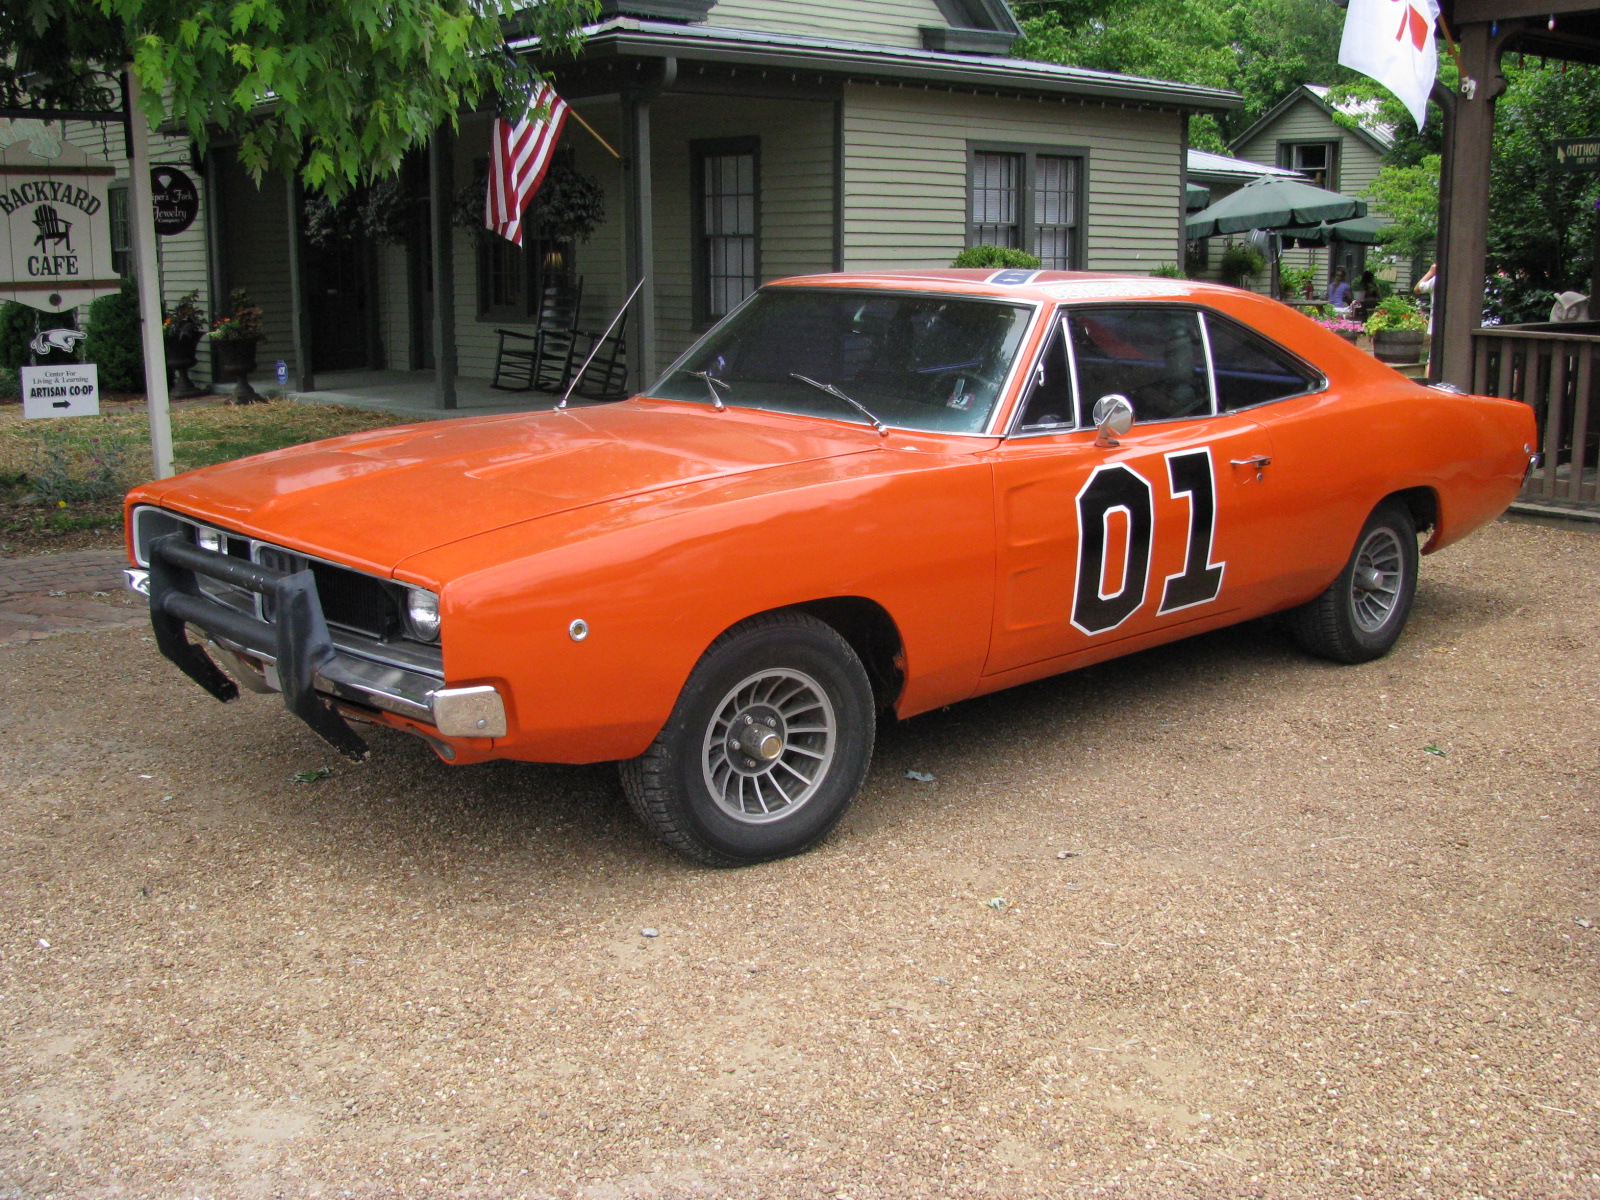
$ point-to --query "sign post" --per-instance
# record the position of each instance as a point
(142, 224)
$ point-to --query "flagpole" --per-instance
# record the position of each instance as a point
(1455, 53)
(573, 113)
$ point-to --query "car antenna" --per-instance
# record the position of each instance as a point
(598, 342)
(712, 384)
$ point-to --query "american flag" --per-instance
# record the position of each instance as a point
(519, 157)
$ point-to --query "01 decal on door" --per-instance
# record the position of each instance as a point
(1098, 544)
(1119, 489)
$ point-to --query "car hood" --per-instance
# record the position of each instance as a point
(375, 499)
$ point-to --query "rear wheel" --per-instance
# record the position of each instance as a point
(1363, 611)
(767, 746)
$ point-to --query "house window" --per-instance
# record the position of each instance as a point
(1317, 161)
(727, 224)
(512, 278)
(121, 238)
(1028, 200)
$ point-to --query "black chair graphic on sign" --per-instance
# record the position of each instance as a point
(51, 227)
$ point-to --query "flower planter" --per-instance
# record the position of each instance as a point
(1349, 335)
(235, 358)
(182, 353)
(1398, 345)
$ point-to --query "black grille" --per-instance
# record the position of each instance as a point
(356, 601)
(350, 600)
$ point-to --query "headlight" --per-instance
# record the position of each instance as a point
(210, 539)
(422, 615)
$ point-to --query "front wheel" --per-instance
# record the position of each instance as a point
(767, 746)
(1361, 614)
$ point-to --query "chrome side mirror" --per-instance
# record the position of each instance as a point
(1113, 417)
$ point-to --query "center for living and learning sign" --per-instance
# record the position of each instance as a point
(61, 390)
(55, 227)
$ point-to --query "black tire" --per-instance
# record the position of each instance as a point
(783, 675)
(1361, 614)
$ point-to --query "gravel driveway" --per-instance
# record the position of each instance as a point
(1216, 920)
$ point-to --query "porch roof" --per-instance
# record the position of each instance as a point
(632, 37)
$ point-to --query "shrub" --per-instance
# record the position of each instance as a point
(19, 323)
(69, 466)
(996, 256)
(1169, 271)
(10, 384)
(113, 341)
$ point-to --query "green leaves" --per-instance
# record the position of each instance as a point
(1262, 49)
(336, 92)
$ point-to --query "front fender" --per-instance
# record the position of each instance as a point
(655, 579)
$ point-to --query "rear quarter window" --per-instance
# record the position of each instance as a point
(1249, 370)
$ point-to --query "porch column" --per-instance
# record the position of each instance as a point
(639, 258)
(302, 378)
(440, 176)
(1464, 241)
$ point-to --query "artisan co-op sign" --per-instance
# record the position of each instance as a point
(55, 232)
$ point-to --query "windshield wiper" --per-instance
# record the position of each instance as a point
(883, 430)
(712, 384)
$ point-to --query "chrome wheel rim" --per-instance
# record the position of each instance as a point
(768, 746)
(1376, 581)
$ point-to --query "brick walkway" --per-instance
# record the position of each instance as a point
(49, 594)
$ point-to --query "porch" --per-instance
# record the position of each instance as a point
(1552, 368)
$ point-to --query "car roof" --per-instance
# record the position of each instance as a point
(1014, 284)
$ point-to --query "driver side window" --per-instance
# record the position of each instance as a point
(1153, 355)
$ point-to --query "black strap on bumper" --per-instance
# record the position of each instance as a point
(297, 638)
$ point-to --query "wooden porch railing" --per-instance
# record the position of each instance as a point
(1555, 369)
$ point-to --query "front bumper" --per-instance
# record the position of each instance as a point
(292, 654)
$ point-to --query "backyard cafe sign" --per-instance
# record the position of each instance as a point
(55, 227)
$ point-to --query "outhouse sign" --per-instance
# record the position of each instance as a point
(55, 226)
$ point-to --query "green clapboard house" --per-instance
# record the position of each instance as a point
(734, 141)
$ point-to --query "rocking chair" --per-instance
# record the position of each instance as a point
(541, 359)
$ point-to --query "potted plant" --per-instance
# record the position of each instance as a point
(1345, 327)
(1296, 283)
(180, 332)
(1240, 262)
(1397, 328)
(233, 340)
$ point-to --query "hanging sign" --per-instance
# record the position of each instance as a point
(55, 226)
(61, 390)
(1578, 154)
(175, 198)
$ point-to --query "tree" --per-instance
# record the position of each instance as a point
(1262, 49)
(1541, 220)
(336, 92)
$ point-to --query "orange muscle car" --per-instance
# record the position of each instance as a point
(858, 494)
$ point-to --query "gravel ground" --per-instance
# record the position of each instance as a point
(1212, 921)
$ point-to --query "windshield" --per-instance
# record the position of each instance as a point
(925, 362)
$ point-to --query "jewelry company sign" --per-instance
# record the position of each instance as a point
(55, 227)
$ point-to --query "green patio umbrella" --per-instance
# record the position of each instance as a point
(1362, 231)
(1196, 196)
(1269, 203)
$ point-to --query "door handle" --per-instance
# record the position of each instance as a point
(1259, 461)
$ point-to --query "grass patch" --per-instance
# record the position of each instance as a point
(61, 481)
